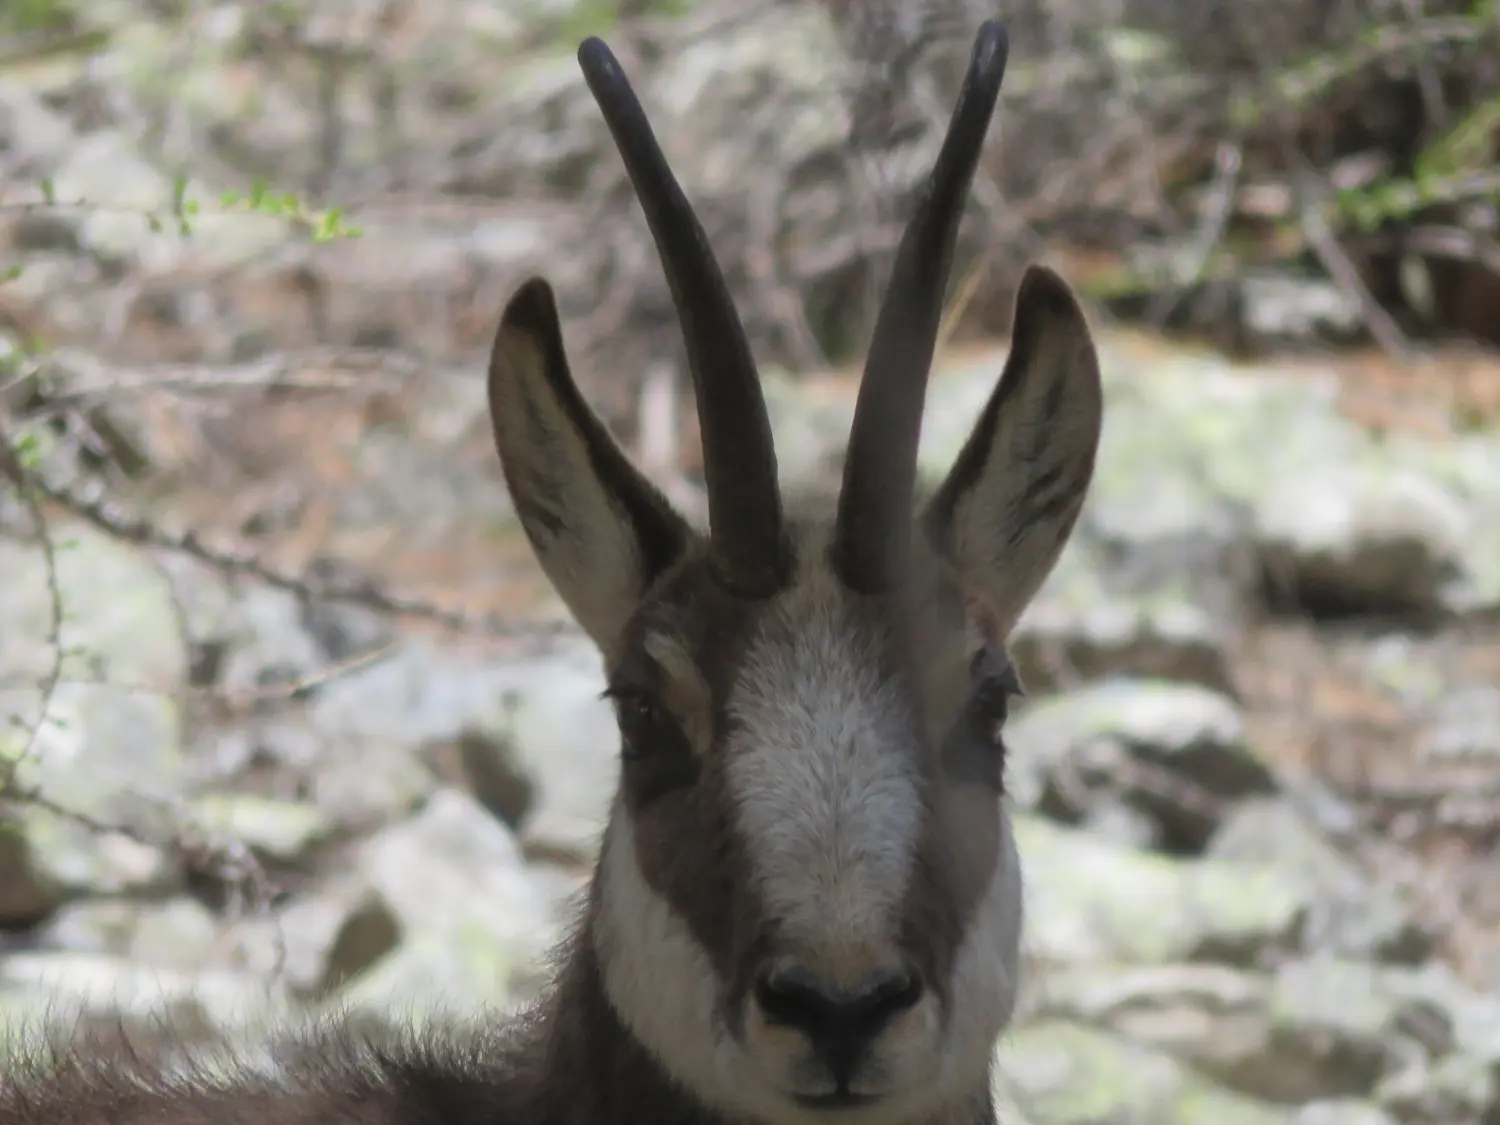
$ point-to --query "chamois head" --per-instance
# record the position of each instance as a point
(808, 896)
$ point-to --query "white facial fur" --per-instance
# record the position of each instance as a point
(825, 787)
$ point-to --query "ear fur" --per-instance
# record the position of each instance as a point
(601, 531)
(1008, 505)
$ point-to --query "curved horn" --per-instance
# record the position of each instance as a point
(872, 537)
(739, 458)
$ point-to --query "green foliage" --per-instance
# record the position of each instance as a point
(1299, 86)
(1460, 166)
(1398, 199)
(324, 225)
(1468, 144)
(22, 16)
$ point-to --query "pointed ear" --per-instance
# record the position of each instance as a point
(1008, 505)
(600, 530)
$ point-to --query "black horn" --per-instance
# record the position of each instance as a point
(872, 538)
(739, 458)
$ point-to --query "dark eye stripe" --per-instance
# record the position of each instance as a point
(971, 754)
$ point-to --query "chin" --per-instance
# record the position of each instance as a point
(774, 1078)
(895, 1104)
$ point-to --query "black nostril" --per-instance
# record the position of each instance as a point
(794, 997)
(890, 995)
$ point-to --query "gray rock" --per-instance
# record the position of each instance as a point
(1089, 623)
(473, 925)
(1342, 1111)
(208, 609)
(119, 620)
(1089, 900)
(110, 748)
(1121, 823)
(489, 767)
(1440, 1001)
(1457, 1088)
(1469, 465)
(1225, 1022)
(1278, 308)
(330, 935)
(181, 933)
(27, 892)
(547, 708)
(1465, 726)
(1189, 734)
(1184, 456)
(1349, 912)
(565, 736)
(1313, 1029)
(430, 976)
(368, 782)
(1202, 1013)
(1056, 643)
(1063, 1073)
(91, 926)
(276, 829)
(1337, 1029)
(268, 644)
(1387, 541)
(68, 859)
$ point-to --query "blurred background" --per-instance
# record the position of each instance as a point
(291, 718)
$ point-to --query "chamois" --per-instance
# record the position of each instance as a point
(807, 904)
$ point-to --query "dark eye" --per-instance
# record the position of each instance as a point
(655, 756)
(996, 683)
(640, 720)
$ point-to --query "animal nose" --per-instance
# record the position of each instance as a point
(840, 1024)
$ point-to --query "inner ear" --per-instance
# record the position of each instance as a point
(600, 530)
(1008, 505)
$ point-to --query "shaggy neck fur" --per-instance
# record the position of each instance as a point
(571, 1061)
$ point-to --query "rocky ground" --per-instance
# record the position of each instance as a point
(1256, 779)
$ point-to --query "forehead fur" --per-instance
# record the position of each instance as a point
(695, 639)
(686, 613)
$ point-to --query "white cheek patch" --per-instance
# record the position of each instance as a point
(663, 987)
(986, 972)
(656, 975)
(824, 786)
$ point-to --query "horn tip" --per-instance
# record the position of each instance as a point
(1042, 287)
(532, 306)
(595, 56)
(991, 48)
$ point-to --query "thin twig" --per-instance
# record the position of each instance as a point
(10, 461)
(1335, 261)
(90, 502)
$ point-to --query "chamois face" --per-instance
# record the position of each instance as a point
(808, 902)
